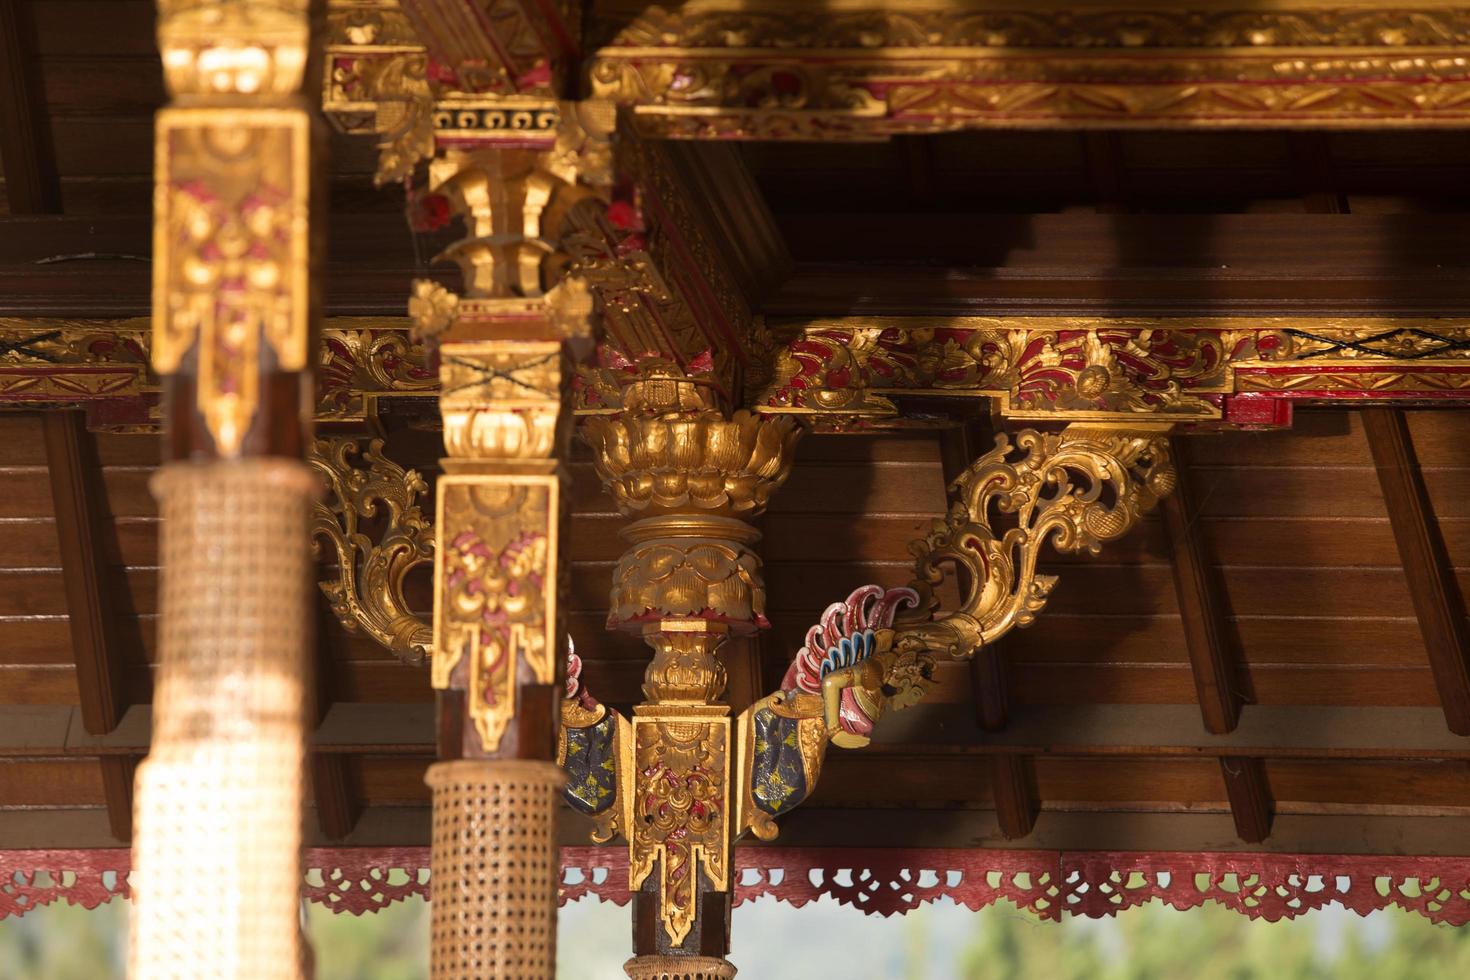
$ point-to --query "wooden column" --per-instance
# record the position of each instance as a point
(505, 354)
(218, 800)
(690, 578)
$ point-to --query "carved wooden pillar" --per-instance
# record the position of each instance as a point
(216, 867)
(688, 581)
(505, 352)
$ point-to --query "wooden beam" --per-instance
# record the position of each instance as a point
(1276, 731)
(337, 805)
(1211, 648)
(1249, 792)
(989, 687)
(117, 788)
(76, 476)
(31, 182)
(1017, 802)
(1432, 585)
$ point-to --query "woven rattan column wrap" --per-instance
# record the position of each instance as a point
(216, 875)
(494, 868)
(678, 968)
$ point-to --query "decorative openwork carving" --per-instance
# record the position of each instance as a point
(880, 881)
(367, 595)
(1074, 490)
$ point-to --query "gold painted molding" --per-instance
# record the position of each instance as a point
(865, 71)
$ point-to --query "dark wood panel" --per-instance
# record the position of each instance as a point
(1063, 779)
(43, 684)
(1268, 684)
(27, 492)
(131, 449)
(126, 491)
(850, 488)
(20, 433)
(861, 780)
(35, 642)
(1441, 437)
(117, 86)
(95, 27)
(29, 543)
(1288, 492)
(1318, 437)
(50, 782)
(390, 780)
(789, 537)
(1386, 783)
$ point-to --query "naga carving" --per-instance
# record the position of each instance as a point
(1072, 490)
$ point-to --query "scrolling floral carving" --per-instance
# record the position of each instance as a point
(367, 595)
(1074, 489)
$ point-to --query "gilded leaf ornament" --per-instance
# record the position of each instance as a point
(367, 595)
(1074, 490)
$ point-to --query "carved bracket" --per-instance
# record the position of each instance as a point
(367, 594)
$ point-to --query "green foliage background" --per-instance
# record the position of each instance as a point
(61, 942)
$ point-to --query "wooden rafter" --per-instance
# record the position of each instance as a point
(75, 472)
(337, 805)
(31, 182)
(1012, 774)
(1432, 587)
(1249, 792)
(1017, 801)
(1211, 656)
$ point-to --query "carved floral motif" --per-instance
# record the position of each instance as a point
(231, 255)
(494, 626)
(1074, 490)
(680, 820)
(367, 595)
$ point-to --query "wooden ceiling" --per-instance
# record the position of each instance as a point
(1097, 706)
(1285, 562)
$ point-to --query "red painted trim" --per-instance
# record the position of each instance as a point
(877, 880)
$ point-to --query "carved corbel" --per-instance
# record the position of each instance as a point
(367, 594)
(1074, 490)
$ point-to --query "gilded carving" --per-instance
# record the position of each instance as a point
(657, 464)
(496, 563)
(590, 745)
(254, 48)
(695, 573)
(714, 71)
(1051, 26)
(680, 817)
(231, 254)
(367, 594)
(357, 366)
(502, 399)
(1074, 490)
(1054, 368)
(836, 689)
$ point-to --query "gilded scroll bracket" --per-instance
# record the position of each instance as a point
(367, 594)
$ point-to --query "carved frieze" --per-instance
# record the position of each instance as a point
(722, 71)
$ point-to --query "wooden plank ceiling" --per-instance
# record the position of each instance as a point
(1274, 655)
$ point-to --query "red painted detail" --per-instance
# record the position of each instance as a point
(883, 881)
(1255, 409)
